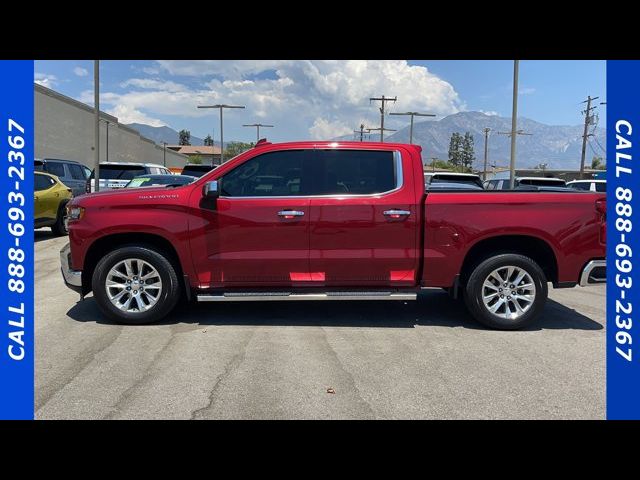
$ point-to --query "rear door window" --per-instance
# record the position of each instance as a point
(581, 185)
(77, 173)
(42, 182)
(354, 172)
(601, 187)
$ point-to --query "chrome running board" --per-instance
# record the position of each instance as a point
(288, 296)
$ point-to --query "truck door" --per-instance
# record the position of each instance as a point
(258, 234)
(364, 219)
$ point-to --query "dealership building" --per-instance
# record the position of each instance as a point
(64, 128)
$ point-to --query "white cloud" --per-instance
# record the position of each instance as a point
(126, 114)
(325, 129)
(46, 80)
(80, 72)
(321, 99)
(490, 113)
(526, 91)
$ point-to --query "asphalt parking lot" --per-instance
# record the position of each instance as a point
(277, 360)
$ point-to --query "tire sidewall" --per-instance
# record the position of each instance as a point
(168, 297)
(473, 291)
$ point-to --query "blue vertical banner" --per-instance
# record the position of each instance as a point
(623, 240)
(16, 240)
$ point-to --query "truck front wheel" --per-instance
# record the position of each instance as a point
(506, 292)
(135, 285)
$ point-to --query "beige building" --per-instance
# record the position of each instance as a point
(64, 128)
(210, 155)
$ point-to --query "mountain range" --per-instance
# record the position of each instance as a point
(559, 146)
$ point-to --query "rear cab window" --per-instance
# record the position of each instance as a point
(55, 168)
(120, 172)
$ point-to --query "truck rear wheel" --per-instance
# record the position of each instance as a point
(506, 292)
(135, 285)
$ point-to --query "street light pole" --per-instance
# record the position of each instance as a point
(257, 125)
(413, 114)
(514, 120)
(486, 152)
(164, 153)
(221, 107)
(96, 121)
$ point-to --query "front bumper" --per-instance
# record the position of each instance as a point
(72, 278)
(594, 272)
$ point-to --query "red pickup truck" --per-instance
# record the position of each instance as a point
(330, 221)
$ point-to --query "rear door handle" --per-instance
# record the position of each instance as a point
(290, 213)
(396, 213)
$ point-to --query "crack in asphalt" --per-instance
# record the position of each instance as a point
(127, 394)
(229, 368)
(85, 358)
(348, 374)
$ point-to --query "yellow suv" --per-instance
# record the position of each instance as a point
(51, 197)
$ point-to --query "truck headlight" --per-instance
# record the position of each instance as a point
(74, 213)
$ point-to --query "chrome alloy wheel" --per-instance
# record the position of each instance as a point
(508, 292)
(133, 285)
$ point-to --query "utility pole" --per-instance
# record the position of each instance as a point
(512, 169)
(96, 122)
(486, 152)
(164, 153)
(514, 123)
(413, 114)
(221, 107)
(107, 122)
(383, 100)
(361, 131)
(433, 163)
(587, 121)
(257, 125)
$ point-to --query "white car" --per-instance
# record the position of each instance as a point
(589, 185)
(117, 174)
(503, 183)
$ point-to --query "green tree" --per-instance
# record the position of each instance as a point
(455, 144)
(184, 137)
(208, 141)
(195, 159)
(596, 164)
(236, 148)
(467, 152)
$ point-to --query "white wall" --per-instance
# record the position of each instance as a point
(64, 129)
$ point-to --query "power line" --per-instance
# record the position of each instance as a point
(413, 114)
(382, 99)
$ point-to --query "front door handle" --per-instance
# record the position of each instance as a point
(290, 213)
(396, 213)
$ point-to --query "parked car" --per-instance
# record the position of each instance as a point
(590, 185)
(348, 222)
(117, 174)
(503, 183)
(197, 170)
(450, 177)
(71, 173)
(160, 181)
(452, 186)
(50, 200)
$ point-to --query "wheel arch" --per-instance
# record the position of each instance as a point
(108, 243)
(536, 248)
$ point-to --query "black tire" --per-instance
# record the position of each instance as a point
(168, 297)
(473, 291)
(60, 228)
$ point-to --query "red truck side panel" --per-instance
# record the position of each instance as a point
(455, 222)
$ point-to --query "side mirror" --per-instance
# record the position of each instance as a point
(210, 189)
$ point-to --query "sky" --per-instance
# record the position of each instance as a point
(320, 99)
